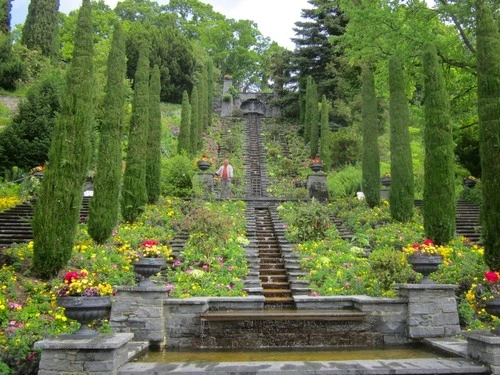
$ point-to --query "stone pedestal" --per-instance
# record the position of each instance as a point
(484, 347)
(139, 310)
(385, 192)
(203, 185)
(317, 187)
(432, 310)
(103, 354)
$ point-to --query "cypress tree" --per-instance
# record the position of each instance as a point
(104, 206)
(314, 143)
(325, 134)
(439, 185)
(203, 99)
(153, 157)
(488, 83)
(5, 7)
(58, 206)
(210, 90)
(402, 194)
(134, 193)
(184, 141)
(193, 134)
(371, 158)
(40, 28)
(308, 113)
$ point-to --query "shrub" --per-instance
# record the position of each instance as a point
(177, 173)
(344, 183)
(389, 267)
(306, 220)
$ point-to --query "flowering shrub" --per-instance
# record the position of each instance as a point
(83, 284)
(427, 248)
(151, 249)
(204, 158)
(39, 168)
(481, 292)
(315, 159)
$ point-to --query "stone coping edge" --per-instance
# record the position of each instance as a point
(204, 300)
(101, 342)
(426, 286)
(483, 336)
(127, 288)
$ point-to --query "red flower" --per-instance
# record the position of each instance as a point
(149, 243)
(491, 276)
(428, 242)
(71, 276)
(416, 246)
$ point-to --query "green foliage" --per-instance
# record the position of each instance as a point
(183, 141)
(11, 69)
(195, 136)
(389, 267)
(134, 193)
(402, 187)
(371, 160)
(439, 189)
(177, 173)
(488, 78)
(344, 183)
(306, 220)
(26, 139)
(104, 206)
(346, 147)
(58, 207)
(153, 155)
(325, 150)
(474, 195)
(40, 28)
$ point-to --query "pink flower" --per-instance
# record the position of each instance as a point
(314, 294)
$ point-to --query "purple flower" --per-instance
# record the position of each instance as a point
(175, 130)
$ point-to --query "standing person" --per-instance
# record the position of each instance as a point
(225, 172)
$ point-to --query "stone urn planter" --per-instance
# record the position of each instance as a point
(147, 267)
(385, 181)
(316, 167)
(469, 183)
(492, 307)
(425, 264)
(203, 165)
(85, 310)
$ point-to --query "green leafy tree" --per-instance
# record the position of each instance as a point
(134, 193)
(5, 7)
(325, 151)
(104, 206)
(153, 158)
(210, 90)
(40, 29)
(194, 135)
(439, 185)
(26, 140)
(11, 69)
(371, 158)
(402, 193)
(58, 206)
(488, 83)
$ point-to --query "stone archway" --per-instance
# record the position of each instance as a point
(253, 106)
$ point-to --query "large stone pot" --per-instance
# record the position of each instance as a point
(316, 167)
(84, 310)
(492, 307)
(147, 267)
(425, 264)
(203, 165)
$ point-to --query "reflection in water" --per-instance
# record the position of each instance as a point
(287, 355)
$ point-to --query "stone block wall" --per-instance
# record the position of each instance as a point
(183, 323)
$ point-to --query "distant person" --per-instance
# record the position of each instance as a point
(225, 173)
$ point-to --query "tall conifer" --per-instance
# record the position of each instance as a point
(5, 8)
(153, 157)
(134, 193)
(210, 90)
(193, 134)
(203, 99)
(104, 206)
(315, 120)
(308, 110)
(58, 206)
(325, 134)
(371, 157)
(40, 28)
(488, 77)
(184, 140)
(402, 193)
(439, 180)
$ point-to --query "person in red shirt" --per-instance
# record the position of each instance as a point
(225, 172)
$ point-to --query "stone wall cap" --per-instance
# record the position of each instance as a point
(187, 301)
(102, 341)
(130, 288)
(238, 299)
(427, 286)
(483, 336)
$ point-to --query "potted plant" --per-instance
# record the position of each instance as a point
(85, 298)
(204, 162)
(149, 259)
(469, 182)
(424, 258)
(316, 164)
(385, 180)
(485, 296)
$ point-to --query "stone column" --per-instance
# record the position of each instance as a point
(484, 347)
(103, 354)
(184, 328)
(139, 310)
(432, 310)
(317, 187)
(203, 185)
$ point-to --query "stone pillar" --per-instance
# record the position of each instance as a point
(227, 105)
(203, 185)
(432, 310)
(317, 187)
(184, 322)
(139, 310)
(103, 354)
(484, 347)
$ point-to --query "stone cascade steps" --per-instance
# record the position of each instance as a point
(255, 165)
(15, 223)
(466, 220)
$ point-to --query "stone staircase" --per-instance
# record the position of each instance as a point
(255, 171)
